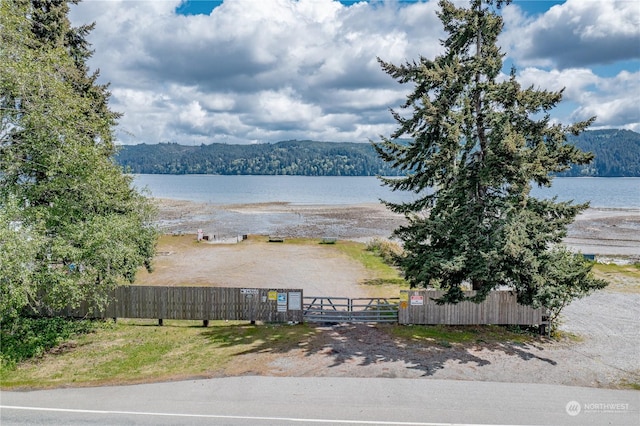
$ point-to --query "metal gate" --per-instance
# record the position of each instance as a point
(343, 309)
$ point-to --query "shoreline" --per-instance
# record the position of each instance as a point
(602, 231)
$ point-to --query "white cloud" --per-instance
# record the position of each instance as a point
(284, 108)
(574, 34)
(272, 70)
(612, 100)
(574, 81)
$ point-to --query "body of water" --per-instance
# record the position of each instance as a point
(216, 189)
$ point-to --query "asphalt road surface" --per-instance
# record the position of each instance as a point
(254, 400)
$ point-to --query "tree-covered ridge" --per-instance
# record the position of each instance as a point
(306, 158)
(617, 153)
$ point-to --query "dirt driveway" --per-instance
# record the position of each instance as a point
(318, 269)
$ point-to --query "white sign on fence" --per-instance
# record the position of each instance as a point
(417, 300)
(295, 301)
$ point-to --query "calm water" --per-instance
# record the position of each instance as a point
(602, 192)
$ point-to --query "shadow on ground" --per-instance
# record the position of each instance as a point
(368, 346)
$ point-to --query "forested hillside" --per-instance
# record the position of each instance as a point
(617, 154)
(307, 158)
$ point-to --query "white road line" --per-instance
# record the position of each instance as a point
(216, 416)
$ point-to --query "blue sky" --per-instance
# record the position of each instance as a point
(198, 7)
(247, 71)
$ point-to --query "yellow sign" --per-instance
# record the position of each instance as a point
(404, 296)
(273, 295)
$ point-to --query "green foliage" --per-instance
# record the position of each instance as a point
(617, 153)
(477, 145)
(567, 277)
(83, 230)
(24, 338)
(18, 247)
(306, 158)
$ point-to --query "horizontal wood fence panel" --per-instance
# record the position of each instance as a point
(500, 308)
(202, 303)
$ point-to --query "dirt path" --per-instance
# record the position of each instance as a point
(318, 269)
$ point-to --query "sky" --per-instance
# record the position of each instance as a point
(256, 71)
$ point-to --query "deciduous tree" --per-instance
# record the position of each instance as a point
(88, 230)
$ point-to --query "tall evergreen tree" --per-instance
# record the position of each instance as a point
(87, 230)
(477, 144)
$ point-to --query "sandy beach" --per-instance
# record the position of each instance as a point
(608, 233)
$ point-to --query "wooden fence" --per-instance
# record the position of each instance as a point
(202, 303)
(286, 305)
(500, 307)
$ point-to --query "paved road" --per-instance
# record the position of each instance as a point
(336, 401)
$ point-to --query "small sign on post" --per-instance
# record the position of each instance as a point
(417, 300)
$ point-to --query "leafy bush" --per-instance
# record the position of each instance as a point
(25, 337)
(389, 251)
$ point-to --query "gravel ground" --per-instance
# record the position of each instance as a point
(605, 352)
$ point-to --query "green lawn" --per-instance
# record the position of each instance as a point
(133, 351)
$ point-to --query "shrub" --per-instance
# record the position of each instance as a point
(25, 337)
(389, 251)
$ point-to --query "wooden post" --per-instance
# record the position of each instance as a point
(160, 323)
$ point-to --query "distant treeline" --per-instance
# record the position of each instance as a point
(307, 158)
(617, 154)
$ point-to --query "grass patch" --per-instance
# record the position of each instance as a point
(383, 279)
(175, 242)
(626, 384)
(558, 334)
(381, 272)
(135, 351)
(448, 335)
(25, 337)
(621, 278)
(630, 270)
